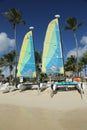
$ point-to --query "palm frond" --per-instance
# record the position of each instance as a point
(67, 28)
(80, 24)
(14, 16)
(71, 21)
(23, 22)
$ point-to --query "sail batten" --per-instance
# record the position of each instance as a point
(26, 64)
(52, 59)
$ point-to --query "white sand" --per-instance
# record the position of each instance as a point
(31, 110)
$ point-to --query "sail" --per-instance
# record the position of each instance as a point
(52, 58)
(26, 64)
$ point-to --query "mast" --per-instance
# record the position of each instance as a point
(32, 28)
(58, 16)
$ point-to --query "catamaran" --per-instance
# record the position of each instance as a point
(52, 58)
(26, 65)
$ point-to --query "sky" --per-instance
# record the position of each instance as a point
(39, 13)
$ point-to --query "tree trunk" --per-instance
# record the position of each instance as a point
(16, 57)
(76, 53)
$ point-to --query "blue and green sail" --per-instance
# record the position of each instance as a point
(26, 65)
(52, 58)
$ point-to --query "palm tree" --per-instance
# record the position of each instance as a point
(73, 25)
(15, 17)
(9, 60)
(2, 62)
(84, 60)
(38, 62)
(70, 63)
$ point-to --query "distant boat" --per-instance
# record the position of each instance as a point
(26, 65)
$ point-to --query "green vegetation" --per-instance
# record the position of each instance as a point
(73, 26)
(14, 16)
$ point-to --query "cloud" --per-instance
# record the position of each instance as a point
(6, 71)
(81, 50)
(71, 52)
(5, 42)
(84, 40)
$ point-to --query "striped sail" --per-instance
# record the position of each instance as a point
(52, 58)
(26, 64)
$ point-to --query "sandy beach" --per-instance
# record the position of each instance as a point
(33, 110)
